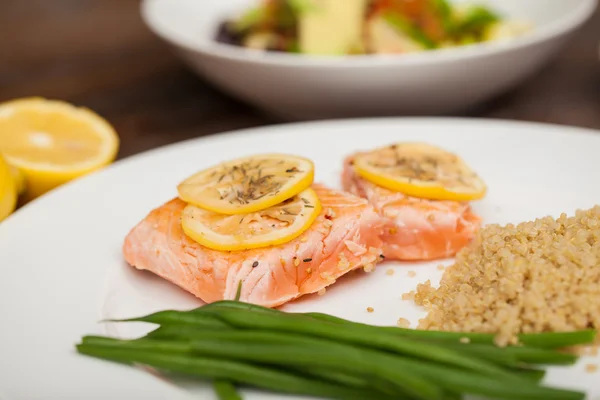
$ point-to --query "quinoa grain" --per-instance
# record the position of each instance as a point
(408, 296)
(536, 276)
(591, 368)
(403, 323)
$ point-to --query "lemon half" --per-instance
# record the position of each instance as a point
(52, 142)
(270, 227)
(8, 190)
(248, 184)
(421, 170)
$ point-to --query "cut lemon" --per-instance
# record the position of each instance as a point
(276, 225)
(18, 178)
(248, 184)
(52, 142)
(420, 170)
(8, 190)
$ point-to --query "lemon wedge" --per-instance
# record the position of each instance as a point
(52, 142)
(248, 184)
(270, 227)
(8, 190)
(420, 170)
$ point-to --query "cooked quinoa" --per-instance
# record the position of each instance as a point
(403, 323)
(533, 277)
(591, 368)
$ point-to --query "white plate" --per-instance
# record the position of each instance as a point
(308, 87)
(62, 269)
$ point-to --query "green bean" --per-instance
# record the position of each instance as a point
(239, 305)
(536, 375)
(453, 396)
(467, 382)
(180, 331)
(167, 346)
(225, 390)
(347, 359)
(556, 340)
(381, 364)
(177, 317)
(307, 353)
(326, 317)
(195, 332)
(334, 376)
(352, 380)
(183, 347)
(486, 352)
(358, 335)
(385, 362)
(183, 332)
(548, 340)
(192, 332)
(209, 368)
(491, 352)
(516, 355)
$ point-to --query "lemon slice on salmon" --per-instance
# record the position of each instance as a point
(52, 142)
(248, 184)
(270, 227)
(420, 170)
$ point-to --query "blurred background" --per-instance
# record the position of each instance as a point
(99, 54)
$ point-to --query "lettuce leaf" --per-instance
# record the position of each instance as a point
(402, 25)
(249, 19)
(476, 19)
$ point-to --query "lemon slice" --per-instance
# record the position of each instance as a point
(8, 190)
(52, 142)
(248, 184)
(421, 170)
(276, 225)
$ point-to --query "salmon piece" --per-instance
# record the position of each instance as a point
(344, 237)
(416, 229)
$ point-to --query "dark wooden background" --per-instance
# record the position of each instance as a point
(99, 54)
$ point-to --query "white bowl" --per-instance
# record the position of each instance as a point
(308, 87)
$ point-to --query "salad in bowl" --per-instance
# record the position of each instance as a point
(347, 27)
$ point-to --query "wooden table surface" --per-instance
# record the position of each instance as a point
(98, 53)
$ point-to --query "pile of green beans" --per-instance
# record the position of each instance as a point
(235, 344)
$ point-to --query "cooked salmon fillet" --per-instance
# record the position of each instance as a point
(344, 237)
(416, 229)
